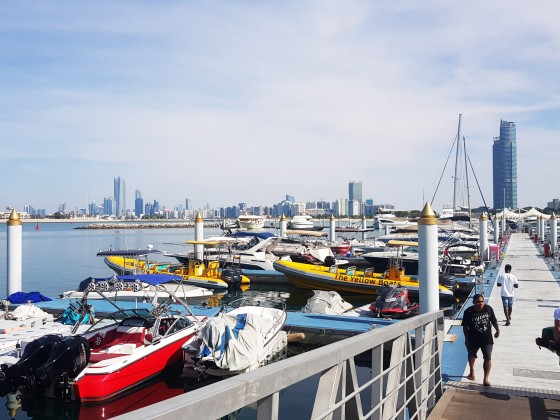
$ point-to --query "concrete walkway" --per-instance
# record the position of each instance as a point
(516, 359)
(525, 379)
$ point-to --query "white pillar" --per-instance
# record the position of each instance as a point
(14, 254)
(543, 228)
(199, 236)
(428, 273)
(496, 230)
(332, 229)
(483, 237)
(364, 227)
(553, 234)
(283, 226)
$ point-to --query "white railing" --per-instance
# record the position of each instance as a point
(405, 380)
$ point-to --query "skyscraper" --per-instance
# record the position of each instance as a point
(354, 197)
(504, 158)
(138, 203)
(120, 196)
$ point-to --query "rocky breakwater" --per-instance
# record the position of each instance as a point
(163, 225)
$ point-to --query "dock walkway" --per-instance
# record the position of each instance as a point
(525, 379)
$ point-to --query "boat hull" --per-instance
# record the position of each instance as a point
(309, 276)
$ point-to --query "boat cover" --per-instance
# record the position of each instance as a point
(24, 312)
(260, 235)
(22, 297)
(327, 303)
(234, 341)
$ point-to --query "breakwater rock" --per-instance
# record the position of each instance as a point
(166, 225)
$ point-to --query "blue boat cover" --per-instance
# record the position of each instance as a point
(260, 235)
(21, 297)
(126, 252)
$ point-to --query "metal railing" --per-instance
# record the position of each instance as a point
(405, 380)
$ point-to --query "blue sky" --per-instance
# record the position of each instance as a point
(228, 102)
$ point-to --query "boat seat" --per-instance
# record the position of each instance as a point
(126, 335)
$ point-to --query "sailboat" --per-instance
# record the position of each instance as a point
(461, 190)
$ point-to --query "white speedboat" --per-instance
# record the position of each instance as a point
(236, 341)
(250, 221)
(137, 288)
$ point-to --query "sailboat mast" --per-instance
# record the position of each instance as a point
(455, 183)
(467, 181)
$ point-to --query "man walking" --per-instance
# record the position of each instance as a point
(507, 282)
(477, 327)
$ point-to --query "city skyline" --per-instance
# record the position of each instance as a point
(190, 100)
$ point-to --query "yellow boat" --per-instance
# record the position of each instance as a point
(309, 276)
(196, 272)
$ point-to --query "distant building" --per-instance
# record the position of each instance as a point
(554, 204)
(504, 158)
(290, 198)
(188, 204)
(138, 203)
(108, 206)
(355, 197)
(120, 196)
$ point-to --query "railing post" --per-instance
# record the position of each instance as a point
(267, 408)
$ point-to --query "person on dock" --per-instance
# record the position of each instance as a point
(507, 282)
(477, 327)
(556, 331)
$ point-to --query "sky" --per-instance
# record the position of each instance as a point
(227, 102)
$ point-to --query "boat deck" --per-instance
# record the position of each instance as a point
(520, 371)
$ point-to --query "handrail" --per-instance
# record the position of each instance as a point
(408, 388)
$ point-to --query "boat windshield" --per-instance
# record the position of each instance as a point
(127, 313)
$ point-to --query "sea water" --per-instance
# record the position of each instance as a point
(57, 256)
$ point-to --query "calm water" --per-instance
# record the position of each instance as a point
(57, 257)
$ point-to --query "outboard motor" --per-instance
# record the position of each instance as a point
(67, 359)
(448, 281)
(232, 276)
(35, 355)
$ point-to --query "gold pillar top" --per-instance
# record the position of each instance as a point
(483, 217)
(14, 219)
(332, 217)
(198, 217)
(428, 217)
(553, 217)
(283, 217)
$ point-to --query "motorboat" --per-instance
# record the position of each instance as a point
(105, 362)
(309, 276)
(393, 302)
(301, 222)
(250, 221)
(197, 272)
(137, 287)
(237, 341)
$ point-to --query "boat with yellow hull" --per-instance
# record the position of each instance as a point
(196, 272)
(309, 276)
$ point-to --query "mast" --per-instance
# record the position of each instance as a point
(456, 164)
(467, 181)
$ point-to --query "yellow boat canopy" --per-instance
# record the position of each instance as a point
(205, 243)
(306, 233)
(394, 242)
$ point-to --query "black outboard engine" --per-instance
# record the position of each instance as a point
(448, 281)
(67, 359)
(232, 276)
(35, 355)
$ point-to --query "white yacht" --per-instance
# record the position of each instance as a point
(301, 221)
(250, 221)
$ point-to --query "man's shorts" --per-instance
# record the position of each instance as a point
(486, 351)
(507, 301)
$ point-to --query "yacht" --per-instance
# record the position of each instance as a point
(250, 221)
(301, 221)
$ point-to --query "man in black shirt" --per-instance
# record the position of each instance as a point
(477, 327)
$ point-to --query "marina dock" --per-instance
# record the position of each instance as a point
(525, 379)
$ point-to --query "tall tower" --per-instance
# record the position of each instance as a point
(120, 197)
(355, 197)
(504, 158)
(138, 203)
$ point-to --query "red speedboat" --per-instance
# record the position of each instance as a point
(340, 249)
(106, 362)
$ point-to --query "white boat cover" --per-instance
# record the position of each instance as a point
(234, 342)
(327, 303)
(27, 311)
